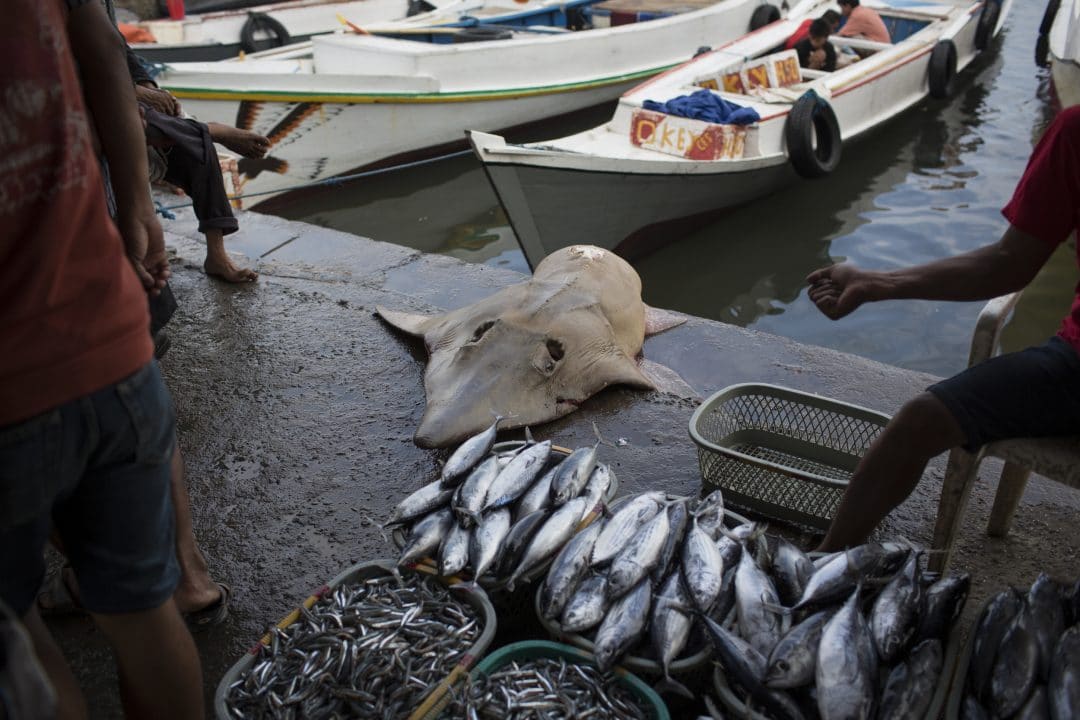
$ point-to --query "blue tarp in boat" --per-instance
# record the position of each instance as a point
(705, 105)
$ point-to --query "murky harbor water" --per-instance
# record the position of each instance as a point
(928, 185)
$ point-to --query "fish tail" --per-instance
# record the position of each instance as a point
(529, 439)
(778, 609)
(669, 684)
(600, 438)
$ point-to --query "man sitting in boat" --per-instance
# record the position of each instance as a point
(862, 22)
(815, 50)
(830, 16)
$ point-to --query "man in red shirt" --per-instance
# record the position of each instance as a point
(1033, 393)
(86, 424)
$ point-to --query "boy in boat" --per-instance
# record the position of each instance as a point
(815, 51)
(862, 22)
(830, 16)
(1032, 393)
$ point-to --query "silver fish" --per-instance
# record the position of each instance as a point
(756, 603)
(623, 626)
(847, 665)
(678, 520)
(910, 686)
(538, 496)
(1045, 619)
(587, 606)
(944, 602)
(454, 551)
(986, 639)
(702, 568)
(1063, 689)
(710, 513)
(1037, 707)
(521, 533)
(468, 454)
(573, 473)
(636, 561)
(421, 502)
(567, 570)
(835, 580)
(1016, 668)
(791, 569)
(624, 523)
(487, 540)
(426, 535)
(469, 498)
(894, 618)
(794, 659)
(559, 528)
(730, 550)
(669, 630)
(597, 486)
(518, 475)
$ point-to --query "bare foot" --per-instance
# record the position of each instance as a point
(246, 143)
(223, 268)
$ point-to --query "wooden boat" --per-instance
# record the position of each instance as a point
(643, 177)
(346, 101)
(1064, 52)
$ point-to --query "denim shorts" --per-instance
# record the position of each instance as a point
(1031, 393)
(98, 470)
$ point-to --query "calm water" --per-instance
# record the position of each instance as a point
(928, 185)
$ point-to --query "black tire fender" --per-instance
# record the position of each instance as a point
(764, 15)
(265, 23)
(942, 69)
(1048, 16)
(988, 20)
(812, 134)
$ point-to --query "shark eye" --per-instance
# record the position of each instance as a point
(480, 331)
(555, 350)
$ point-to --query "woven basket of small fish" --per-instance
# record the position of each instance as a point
(375, 642)
(541, 679)
(781, 453)
(865, 633)
(1022, 656)
(620, 588)
(500, 512)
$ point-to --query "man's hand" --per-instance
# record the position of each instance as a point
(158, 99)
(839, 289)
(145, 245)
(817, 59)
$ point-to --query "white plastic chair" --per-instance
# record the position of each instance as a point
(1055, 458)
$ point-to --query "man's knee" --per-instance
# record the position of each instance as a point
(926, 426)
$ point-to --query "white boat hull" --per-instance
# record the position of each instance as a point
(1065, 53)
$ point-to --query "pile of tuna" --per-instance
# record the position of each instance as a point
(500, 516)
(1025, 655)
(635, 574)
(858, 634)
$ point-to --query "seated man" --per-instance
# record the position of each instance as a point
(862, 22)
(1033, 393)
(830, 16)
(815, 51)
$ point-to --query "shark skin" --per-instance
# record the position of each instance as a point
(534, 351)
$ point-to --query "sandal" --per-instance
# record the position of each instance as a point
(213, 614)
(60, 595)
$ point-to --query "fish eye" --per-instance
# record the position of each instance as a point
(555, 350)
(484, 327)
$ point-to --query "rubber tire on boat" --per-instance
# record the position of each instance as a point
(812, 118)
(763, 15)
(1042, 51)
(418, 6)
(1048, 17)
(988, 20)
(262, 21)
(942, 69)
(481, 33)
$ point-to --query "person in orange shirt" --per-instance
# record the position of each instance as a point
(862, 22)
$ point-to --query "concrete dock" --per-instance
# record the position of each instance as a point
(296, 408)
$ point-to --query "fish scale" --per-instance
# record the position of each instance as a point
(895, 614)
(559, 528)
(623, 625)
(624, 523)
(514, 479)
(469, 498)
(639, 557)
(567, 570)
(468, 454)
(487, 540)
(756, 601)
(573, 473)
(702, 567)
(846, 673)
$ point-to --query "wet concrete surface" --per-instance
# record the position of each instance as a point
(296, 408)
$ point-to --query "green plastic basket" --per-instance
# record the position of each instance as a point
(531, 649)
(781, 453)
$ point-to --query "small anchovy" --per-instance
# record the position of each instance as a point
(468, 454)
(372, 648)
(550, 688)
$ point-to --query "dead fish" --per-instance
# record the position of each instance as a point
(678, 519)
(725, 599)
(669, 630)
(702, 568)
(756, 603)
(426, 536)
(468, 454)
(514, 479)
(910, 686)
(1063, 690)
(469, 498)
(710, 513)
(1016, 668)
(454, 551)
(944, 602)
(521, 532)
(487, 540)
(835, 580)
(989, 630)
(538, 496)
(624, 523)
(573, 473)
(794, 659)
(623, 626)
(636, 561)
(846, 672)
(1037, 707)
(730, 550)
(597, 486)
(1045, 619)
(567, 570)
(559, 528)
(791, 569)
(421, 502)
(895, 615)
(587, 606)
(972, 709)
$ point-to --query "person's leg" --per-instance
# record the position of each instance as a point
(69, 699)
(891, 469)
(219, 264)
(196, 589)
(245, 142)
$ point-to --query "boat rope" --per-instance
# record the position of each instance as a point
(165, 210)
